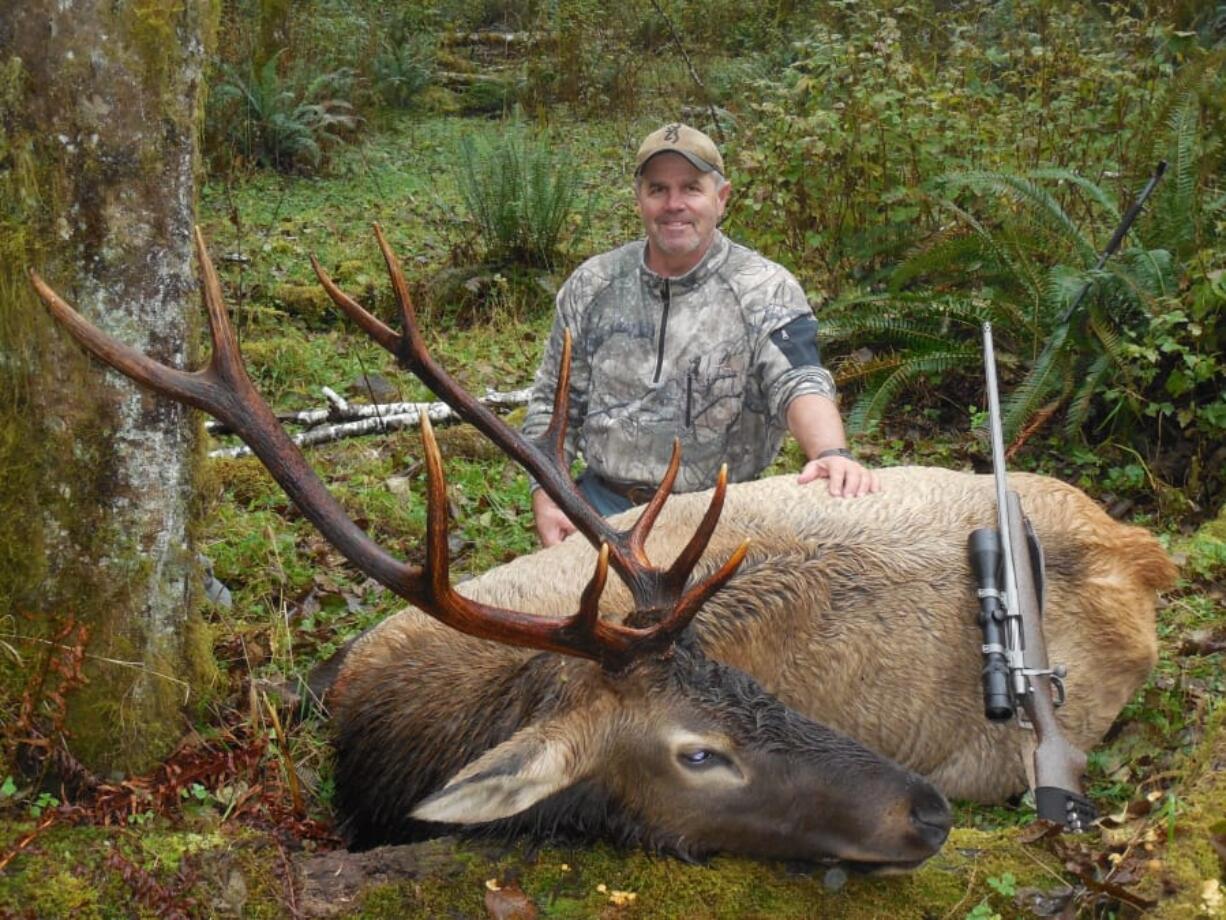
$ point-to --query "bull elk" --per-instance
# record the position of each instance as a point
(707, 706)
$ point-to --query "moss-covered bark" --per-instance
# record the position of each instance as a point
(98, 114)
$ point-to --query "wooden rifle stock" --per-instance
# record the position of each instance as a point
(1058, 766)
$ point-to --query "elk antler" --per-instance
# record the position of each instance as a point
(656, 592)
(224, 390)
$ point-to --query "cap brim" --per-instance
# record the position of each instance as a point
(696, 161)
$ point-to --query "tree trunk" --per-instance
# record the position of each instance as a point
(98, 114)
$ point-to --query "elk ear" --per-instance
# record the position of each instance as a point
(526, 768)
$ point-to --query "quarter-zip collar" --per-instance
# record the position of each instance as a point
(709, 264)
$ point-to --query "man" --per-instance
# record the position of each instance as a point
(686, 335)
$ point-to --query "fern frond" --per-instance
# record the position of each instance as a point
(891, 329)
(1083, 397)
(871, 405)
(1175, 212)
(1037, 200)
(952, 255)
(1093, 190)
(1008, 264)
(1043, 379)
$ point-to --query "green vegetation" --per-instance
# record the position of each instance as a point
(521, 196)
(921, 167)
(287, 123)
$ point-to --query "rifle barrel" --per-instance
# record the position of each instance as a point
(996, 434)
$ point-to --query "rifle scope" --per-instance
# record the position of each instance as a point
(983, 547)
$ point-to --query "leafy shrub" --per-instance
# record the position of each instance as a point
(521, 197)
(834, 159)
(1139, 355)
(287, 122)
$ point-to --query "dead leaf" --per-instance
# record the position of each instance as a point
(621, 898)
(1039, 903)
(508, 902)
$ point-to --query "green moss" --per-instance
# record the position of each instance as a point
(309, 303)
(66, 873)
(150, 26)
(1190, 859)
(438, 100)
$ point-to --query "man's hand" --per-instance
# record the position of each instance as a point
(552, 524)
(847, 478)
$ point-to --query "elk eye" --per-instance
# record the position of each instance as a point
(700, 758)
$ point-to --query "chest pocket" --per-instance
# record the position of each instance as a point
(714, 391)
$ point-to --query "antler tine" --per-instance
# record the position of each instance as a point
(554, 435)
(642, 527)
(691, 602)
(684, 564)
(371, 325)
(413, 351)
(182, 385)
(226, 362)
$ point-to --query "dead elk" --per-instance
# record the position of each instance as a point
(675, 707)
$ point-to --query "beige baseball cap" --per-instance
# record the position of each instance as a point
(691, 143)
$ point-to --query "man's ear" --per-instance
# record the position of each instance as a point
(529, 766)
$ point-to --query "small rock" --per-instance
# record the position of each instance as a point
(399, 485)
(835, 879)
(375, 387)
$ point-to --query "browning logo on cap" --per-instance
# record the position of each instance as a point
(691, 143)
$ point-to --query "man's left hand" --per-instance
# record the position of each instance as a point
(846, 478)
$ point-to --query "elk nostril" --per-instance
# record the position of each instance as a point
(931, 817)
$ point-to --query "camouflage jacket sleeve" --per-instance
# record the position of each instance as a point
(786, 356)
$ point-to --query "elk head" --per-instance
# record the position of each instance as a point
(643, 736)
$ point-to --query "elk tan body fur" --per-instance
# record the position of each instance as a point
(859, 614)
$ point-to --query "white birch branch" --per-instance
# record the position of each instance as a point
(369, 419)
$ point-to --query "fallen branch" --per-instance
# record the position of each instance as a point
(506, 39)
(373, 419)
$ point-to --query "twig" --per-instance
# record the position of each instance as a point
(1040, 419)
(291, 896)
(25, 841)
(311, 417)
(135, 665)
(970, 888)
(719, 130)
(336, 401)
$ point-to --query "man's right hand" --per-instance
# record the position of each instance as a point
(552, 524)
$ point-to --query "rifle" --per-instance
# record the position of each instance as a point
(1017, 674)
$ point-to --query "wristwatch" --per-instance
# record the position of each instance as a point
(836, 452)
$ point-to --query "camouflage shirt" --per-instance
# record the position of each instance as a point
(713, 357)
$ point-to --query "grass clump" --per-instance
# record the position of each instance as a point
(521, 197)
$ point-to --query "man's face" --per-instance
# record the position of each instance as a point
(680, 207)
